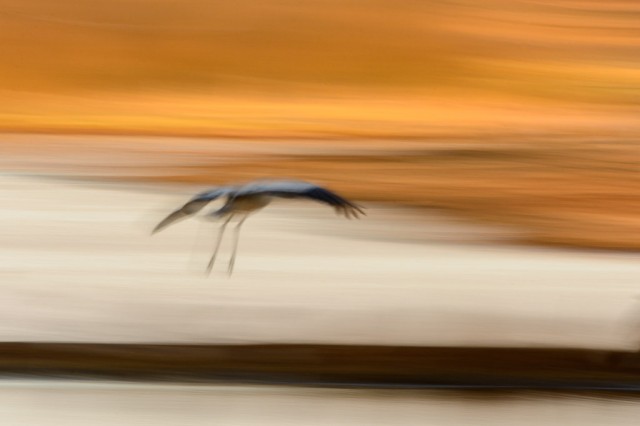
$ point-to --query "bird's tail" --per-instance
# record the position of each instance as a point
(350, 210)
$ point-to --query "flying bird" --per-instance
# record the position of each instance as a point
(243, 200)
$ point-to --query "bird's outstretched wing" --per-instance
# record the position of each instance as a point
(301, 189)
(193, 206)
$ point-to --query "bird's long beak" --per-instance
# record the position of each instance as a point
(172, 218)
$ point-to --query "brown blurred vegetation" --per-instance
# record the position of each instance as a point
(569, 194)
(314, 364)
(518, 112)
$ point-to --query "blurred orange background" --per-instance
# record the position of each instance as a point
(535, 102)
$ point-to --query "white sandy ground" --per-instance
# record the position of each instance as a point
(34, 403)
(77, 264)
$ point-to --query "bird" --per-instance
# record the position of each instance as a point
(244, 199)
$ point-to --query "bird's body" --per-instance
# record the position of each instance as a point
(242, 200)
(249, 204)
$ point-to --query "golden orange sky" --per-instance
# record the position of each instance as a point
(319, 67)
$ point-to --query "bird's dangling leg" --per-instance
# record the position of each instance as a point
(215, 250)
(232, 261)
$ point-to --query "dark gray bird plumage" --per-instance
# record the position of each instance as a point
(247, 198)
(268, 188)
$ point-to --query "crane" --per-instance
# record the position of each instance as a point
(244, 199)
